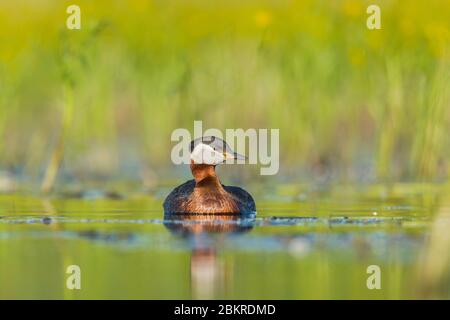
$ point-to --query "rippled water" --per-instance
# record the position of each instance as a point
(299, 246)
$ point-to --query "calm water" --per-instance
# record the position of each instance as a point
(305, 243)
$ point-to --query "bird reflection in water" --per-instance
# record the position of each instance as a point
(205, 234)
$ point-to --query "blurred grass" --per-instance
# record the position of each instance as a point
(344, 97)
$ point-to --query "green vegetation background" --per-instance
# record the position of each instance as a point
(108, 96)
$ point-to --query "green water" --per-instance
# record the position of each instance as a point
(305, 243)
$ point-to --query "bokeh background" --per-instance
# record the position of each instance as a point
(86, 116)
(100, 103)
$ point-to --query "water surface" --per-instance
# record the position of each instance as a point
(313, 244)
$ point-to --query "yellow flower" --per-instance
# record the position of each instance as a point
(438, 36)
(437, 31)
(263, 18)
(352, 8)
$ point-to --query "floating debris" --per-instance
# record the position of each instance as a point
(46, 220)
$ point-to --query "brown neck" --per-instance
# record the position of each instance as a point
(209, 196)
(204, 173)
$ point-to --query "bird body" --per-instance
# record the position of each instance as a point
(205, 194)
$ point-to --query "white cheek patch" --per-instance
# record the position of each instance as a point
(204, 154)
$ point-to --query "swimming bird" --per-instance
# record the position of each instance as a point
(205, 194)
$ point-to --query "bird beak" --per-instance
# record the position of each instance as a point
(234, 156)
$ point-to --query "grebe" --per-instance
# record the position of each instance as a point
(205, 194)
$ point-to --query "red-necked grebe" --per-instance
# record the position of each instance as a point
(205, 194)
